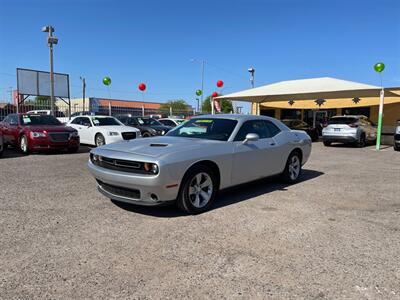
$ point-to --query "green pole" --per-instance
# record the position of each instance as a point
(380, 116)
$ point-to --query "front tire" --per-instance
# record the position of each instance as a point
(23, 144)
(146, 134)
(327, 144)
(396, 148)
(198, 190)
(73, 149)
(99, 140)
(292, 170)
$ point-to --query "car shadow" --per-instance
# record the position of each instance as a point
(11, 152)
(225, 197)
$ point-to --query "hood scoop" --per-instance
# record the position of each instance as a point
(158, 145)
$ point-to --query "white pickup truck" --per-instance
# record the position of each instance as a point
(58, 114)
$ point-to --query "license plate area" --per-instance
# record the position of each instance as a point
(336, 129)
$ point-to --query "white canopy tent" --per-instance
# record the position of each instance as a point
(306, 89)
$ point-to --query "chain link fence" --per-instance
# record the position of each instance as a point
(64, 111)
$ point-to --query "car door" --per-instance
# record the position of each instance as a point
(254, 160)
(11, 129)
(86, 130)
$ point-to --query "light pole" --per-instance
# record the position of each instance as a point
(203, 62)
(83, 92)
(251, 70)
(51, 40)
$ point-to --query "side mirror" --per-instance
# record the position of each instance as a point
(251, 137)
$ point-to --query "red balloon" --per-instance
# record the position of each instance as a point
(220, 83)
(142, 86)
(214, 94)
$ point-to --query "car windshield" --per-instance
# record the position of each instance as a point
(39, 120)
(106, 121)
(342, 120)
(205, 128)
(148, 121)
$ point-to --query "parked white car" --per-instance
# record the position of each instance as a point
(101, 130)
(358, 130)
(58, 114)
(172, 122)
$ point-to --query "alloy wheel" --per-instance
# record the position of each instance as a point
(294, 167)
(200, 190)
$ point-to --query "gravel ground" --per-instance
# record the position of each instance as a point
(334, 235)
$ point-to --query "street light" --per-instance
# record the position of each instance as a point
(203, 62)
(51, 40)
(251, 70)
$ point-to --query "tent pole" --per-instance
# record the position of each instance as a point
(380, 116)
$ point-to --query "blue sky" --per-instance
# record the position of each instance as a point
(154, 41)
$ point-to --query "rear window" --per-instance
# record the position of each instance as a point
(343, 120)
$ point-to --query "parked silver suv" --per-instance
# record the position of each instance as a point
(349, 129)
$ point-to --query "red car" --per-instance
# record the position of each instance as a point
(33, 132)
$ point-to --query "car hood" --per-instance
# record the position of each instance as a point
(157, 147)
(50, 128)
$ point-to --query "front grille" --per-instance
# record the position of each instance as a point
(129, 135)
(119, 165)
(120, 191)
(59, 136)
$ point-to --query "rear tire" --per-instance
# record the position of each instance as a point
(2, 150)
(198, 190)
(292, 170)
(327, 144)
(361, 141)
(99, 140)
(23, 144)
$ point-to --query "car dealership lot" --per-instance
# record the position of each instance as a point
(336, 234)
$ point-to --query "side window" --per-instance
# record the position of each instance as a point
(85, 122)
(7, 120)
(272, 128)
(13, 120)
(256, 126)
(168, 123)
(76, 121)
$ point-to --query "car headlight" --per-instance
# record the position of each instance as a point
(398, 130)
(113, 133)
(37, 134)
(73, 134)
(151, 168)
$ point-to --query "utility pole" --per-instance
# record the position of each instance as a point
(83, 93)
(202, 80)
(51, 40)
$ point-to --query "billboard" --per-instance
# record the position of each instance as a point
(37, 83)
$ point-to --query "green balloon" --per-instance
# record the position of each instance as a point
(199, 92)
(379, 67)
(106, 80)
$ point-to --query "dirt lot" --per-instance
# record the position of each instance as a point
(336, 234)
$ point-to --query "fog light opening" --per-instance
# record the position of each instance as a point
(154, 197)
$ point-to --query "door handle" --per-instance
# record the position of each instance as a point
(272, 144)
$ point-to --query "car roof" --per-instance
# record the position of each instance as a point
(234, 117)
(349, 116)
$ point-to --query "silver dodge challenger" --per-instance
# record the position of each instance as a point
(191, 163)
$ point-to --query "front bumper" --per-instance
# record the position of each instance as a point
(138, 189)
(37, 144)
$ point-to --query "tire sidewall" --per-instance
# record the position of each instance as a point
(183, 199)
(286, 174)
(26, 151)
(95, 139)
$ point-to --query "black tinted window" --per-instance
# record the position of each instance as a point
(39, 120)
(76, 121)
(342, 120)
(263, 128)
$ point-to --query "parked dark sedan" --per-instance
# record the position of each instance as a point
(396, 142)
(147, 126)
(301, 125)
(34, 132)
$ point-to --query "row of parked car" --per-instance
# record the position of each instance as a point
(31, 132)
